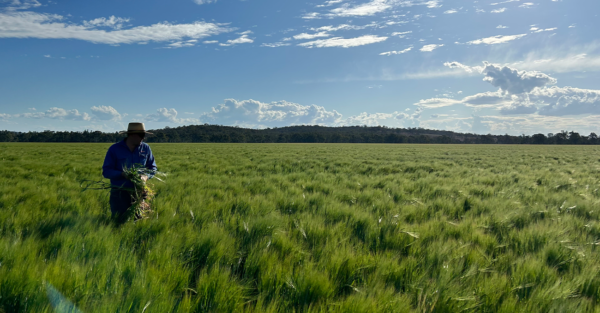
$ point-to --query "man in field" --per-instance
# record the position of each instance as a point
(123, 155)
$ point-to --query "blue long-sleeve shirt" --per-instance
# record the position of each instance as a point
(119, 157)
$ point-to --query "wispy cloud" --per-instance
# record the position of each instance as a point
(402, 34)
(275, 44)
(494, 40)
(342, 42)
(429, 48)
(305, 36)
(539, 30)
(508, 1)
(22, 4)
(169, 115)
(501, 10)
(370, 8)
(242, 39)
(396, 52)
(52, 26)
(252, 113)
(52, 113)
(200, 2)
(182, 44)
(329, 3)
(111, 22)
(331, 28)
(106, 113)
(523, 92)
(366, 9)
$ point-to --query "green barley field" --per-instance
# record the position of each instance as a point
(307, 228)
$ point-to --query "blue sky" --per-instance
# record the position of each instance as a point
(486, 66)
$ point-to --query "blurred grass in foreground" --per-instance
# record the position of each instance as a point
(308, 227)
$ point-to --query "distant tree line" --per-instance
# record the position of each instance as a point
(305, 134)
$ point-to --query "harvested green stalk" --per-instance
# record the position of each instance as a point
(142, 193)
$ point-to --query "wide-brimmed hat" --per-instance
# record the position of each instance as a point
(136, 128)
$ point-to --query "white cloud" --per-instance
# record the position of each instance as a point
(524, 92)
(508, 1)
(501, 26)
(111, 22)
(401, 34)
(501, 10)
(254, 113)
(181, 44)
(451, 11)
(329, 3)
(200, 2)
(52, 26)
(429, 48)
(557, 60)
(47, 56)
(396, 52)
(526, 5)
(311, 16)
(169, 115)
(539, 30)
(275, 44)
(466, 68)
(514, 81)
(557, 101)
(391, 119)
(436, 103)
(331, 28)
(496, 39)
(370, 8)
(366, 9)
(342, 42)
(487, 99)
(369, 119)
(57, 113)
(106, 113)
(21, 4)
(304, 36)
(208, 42)
(243, 39)
(433, 4)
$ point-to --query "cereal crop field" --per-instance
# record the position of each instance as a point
(306, 228)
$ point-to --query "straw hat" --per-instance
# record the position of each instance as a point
(136, 128)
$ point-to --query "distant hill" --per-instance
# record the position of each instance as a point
(303, 134)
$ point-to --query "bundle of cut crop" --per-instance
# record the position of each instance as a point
(142, 193)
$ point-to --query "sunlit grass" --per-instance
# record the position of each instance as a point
(307, 227)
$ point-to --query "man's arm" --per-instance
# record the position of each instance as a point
(109, 168)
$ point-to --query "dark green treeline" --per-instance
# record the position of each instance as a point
(304, 134)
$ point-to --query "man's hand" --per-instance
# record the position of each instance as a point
(144, 178)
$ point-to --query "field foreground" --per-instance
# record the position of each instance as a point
(307, 228)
